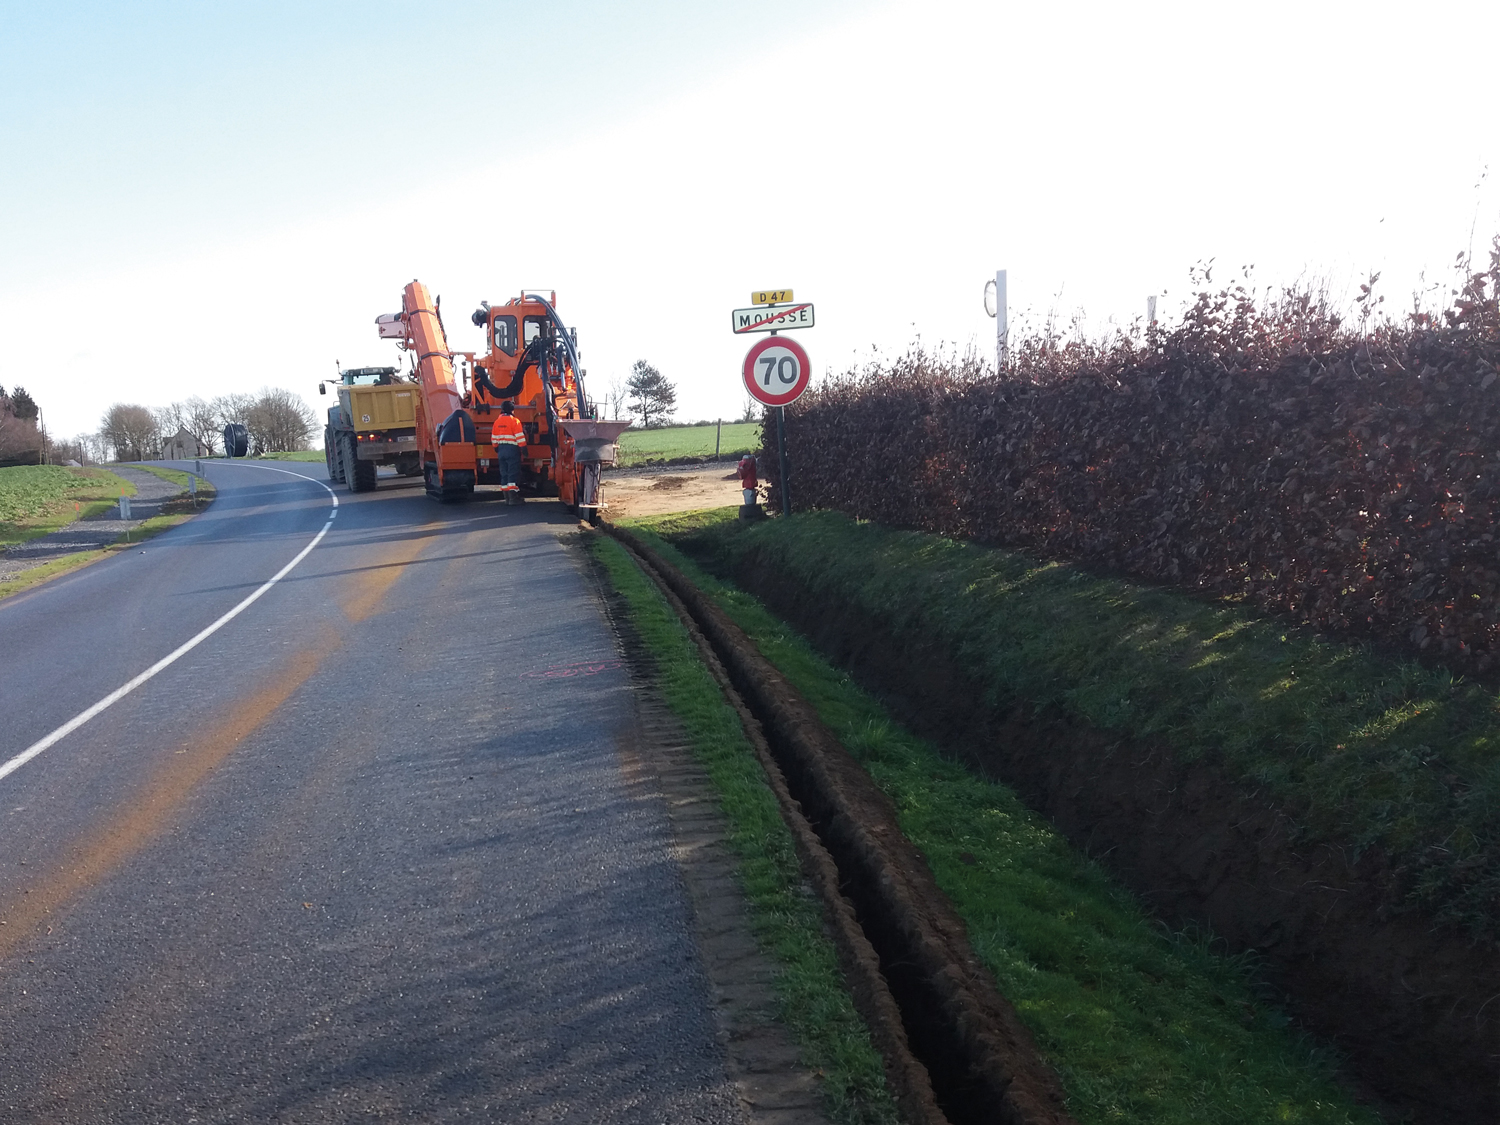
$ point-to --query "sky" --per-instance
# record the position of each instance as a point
(204, 198)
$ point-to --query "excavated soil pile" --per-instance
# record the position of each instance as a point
(983, 1064)
(1416, 1007)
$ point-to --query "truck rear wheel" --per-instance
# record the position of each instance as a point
(359, 475)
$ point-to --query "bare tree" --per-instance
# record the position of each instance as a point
(202, 421)
(651, 395)
(73, 449)
(130, 431)
(170, 418)
(95, 451)
(614, 398)
(231, 408)
(279, 422)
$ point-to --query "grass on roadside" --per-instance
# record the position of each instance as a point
(639, 446)
(299, 455)
(814, 1002)
(1362, 748)
(172, 476)
(174, 512)
(1143, 1026)
(55, 568)
(38, 499)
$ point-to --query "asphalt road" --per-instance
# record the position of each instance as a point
(367, 852)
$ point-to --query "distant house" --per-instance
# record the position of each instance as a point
(182, 446)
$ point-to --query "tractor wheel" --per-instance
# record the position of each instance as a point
(364, 476)
(358, 475)
(331, 455)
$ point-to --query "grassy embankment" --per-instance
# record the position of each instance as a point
(787, 921)
(1364, 749)
(40, 499)
(177, 510)
(1143, 1026)
(638, 447)
(36, 500)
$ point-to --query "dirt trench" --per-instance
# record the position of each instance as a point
(1414, 1007)
(955, 1049)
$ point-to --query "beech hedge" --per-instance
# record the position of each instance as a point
(1346, 476)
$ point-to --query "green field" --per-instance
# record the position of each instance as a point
(37, 499)
(640, 446)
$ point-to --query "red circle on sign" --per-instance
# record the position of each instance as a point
(769, 364)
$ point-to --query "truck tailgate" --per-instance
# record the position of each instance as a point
(383, 408)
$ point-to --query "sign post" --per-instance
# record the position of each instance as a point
(786, 492)
(776, 372)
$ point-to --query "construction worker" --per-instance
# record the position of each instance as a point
(509, 438)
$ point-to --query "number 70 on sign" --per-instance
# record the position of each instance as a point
(776, 370)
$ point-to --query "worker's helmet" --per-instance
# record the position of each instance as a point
(507, 407)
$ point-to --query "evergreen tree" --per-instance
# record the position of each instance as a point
(23, 406)
(651, 395)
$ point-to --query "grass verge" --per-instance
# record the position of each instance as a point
(172, 476)
(299, 455)
(1361, 748)
(175, 511)
(814, 1002)
(44, 572)
(36, 500)
(1142, 1025)
(639, 446)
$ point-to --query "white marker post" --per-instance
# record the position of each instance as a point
(995, 306)
(1002, 323)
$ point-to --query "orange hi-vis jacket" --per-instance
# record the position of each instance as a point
(507, 430)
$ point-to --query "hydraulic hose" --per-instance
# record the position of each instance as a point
(567, 340)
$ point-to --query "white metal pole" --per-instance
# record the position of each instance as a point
(1150, 310)
(1002, 325)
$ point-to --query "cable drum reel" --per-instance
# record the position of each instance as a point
(236, 440)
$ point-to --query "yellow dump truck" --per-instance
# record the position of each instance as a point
(374, 423)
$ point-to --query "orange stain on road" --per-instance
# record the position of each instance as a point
(364, 591)
(102, 851)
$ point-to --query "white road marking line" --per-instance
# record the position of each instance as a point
(182, 650)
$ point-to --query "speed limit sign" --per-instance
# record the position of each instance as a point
(776, 370)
